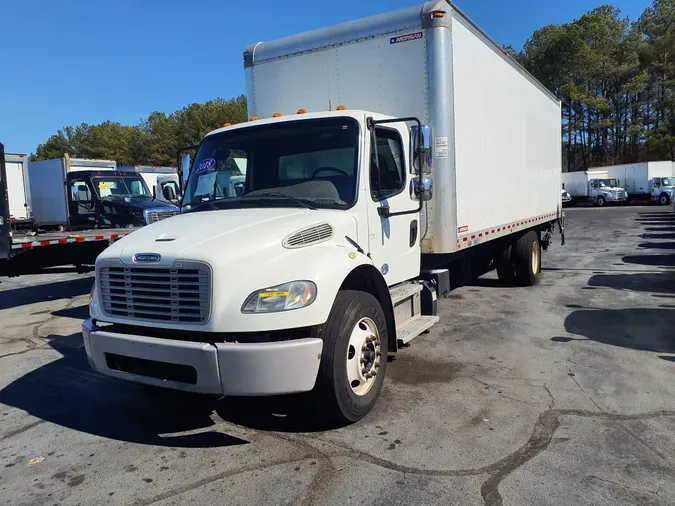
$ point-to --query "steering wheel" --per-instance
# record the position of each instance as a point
(333, 169)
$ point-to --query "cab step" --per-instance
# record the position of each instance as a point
(414, 327)
(402, 292)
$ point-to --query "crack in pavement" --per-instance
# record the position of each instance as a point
(542, 434)
(654, 492)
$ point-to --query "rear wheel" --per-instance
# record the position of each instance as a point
(353, 359)
(527, 258)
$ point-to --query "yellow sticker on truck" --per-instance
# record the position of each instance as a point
(264, 295)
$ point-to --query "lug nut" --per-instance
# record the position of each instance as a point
(363, 360)
(378, 353)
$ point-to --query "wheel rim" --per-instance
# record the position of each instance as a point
(535, 257)
(601, 201)
(664, 200)
(363, 356)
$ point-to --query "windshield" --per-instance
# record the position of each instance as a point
(121, 187)
(665, 182)
(310, 163)
(611, 183)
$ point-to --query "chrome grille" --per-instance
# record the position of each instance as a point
(180, 293)
(153, 216)
(309, 235)
(621, 194)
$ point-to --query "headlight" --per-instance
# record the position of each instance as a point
(293, 295)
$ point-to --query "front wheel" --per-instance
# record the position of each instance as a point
(600, 201)
(353, 358)
(664, 200)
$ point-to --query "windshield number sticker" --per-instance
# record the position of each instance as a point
(205, 165)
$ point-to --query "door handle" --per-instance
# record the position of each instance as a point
(413, 233)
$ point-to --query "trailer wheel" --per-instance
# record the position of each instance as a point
(506, 269)
(527, 258)
(600, 201)
(353, 358)
(664, 200)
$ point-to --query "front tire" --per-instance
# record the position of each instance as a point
(353, 358)
(600, 201)
(527, 259)
(664, 200)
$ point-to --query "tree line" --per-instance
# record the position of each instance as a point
(615, 78)
(616, 82)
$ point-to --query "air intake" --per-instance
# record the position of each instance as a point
(308, 236)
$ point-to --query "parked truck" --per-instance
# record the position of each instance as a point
(22, 251)
(18, 190)
(74, 194)
(593, 186)
(646, 181)
(162, 181)
(333, 255)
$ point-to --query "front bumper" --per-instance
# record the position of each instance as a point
(615, 198)
(236, 369)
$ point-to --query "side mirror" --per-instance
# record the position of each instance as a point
(421, 148)
(421, 189)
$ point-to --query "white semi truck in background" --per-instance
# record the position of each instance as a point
(647, 180)
(331, 256)
(593, 186)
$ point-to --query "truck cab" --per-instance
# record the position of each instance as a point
(602, 190)
(112, 199)
(662, 189)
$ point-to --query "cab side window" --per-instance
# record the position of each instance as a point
(389, 180)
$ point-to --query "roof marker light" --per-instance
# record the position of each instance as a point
(254, 118)
(341, 108)
(276, 115)
(302, 111)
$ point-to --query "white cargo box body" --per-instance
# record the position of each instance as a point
(497, 135)
(634, 177)
(18, 187)
(48, 190)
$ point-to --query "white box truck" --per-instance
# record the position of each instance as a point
(593, 186)
(646, 181)
(18, 190)
(162, 181)
(332, 256)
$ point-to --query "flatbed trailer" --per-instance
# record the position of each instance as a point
(26, 252)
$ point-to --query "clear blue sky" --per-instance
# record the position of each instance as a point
(85, 61)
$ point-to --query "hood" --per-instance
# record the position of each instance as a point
(227, 236)
(141, 204)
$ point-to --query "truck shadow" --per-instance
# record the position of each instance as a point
(39, 293)
(67, 393)
(667, 260)
(658, 282)
(657, 236)
(642, 329)
(657, 245)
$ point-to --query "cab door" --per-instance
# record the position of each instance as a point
(393, 241)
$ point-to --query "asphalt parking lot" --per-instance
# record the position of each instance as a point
(559, 394)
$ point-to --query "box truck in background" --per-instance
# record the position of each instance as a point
(593, 186)
(18, 190)
(646, 181)
(357, 209)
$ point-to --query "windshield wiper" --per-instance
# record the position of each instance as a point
(198, 204)
(281, 195)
